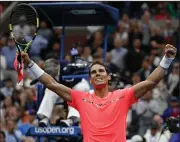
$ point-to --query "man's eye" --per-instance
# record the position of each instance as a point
(101, 70)
(93, 72)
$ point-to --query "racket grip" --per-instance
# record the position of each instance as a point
(21, 76)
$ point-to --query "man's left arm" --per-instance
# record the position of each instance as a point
(155, 77)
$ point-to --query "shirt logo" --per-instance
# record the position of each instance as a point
(109, 102)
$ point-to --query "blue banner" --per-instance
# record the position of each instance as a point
(54, 131)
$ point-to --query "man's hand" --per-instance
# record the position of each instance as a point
(155, 77)
(25, 58)
(170, 51)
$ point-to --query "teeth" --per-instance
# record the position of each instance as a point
(99, 79)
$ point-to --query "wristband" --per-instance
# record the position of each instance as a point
(166, 62)
(35, 69)
(30, 64)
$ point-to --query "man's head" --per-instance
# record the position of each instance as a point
(137, 43)
(8, 82)
(10, 125)
(31, 115)
(11, 43)
(154, 128)
(51, 66)
(99, 75)
(157, 118)
(117, 42)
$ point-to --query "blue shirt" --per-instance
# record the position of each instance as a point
(39, 43)
(24, 128)
(118, 55)
(10, 55)
(13, 137)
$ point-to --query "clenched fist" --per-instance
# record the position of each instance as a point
(25, 58)
(170, 51)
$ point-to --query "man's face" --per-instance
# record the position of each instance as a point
(11, 43)
(10, 126)
(117, 42)
(98, 75)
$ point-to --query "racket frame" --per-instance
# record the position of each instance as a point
(27, 45)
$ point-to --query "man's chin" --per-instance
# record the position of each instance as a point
(100, 86)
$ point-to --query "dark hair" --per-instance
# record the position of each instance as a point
(3, 133)
(51, 66)
(98, 63)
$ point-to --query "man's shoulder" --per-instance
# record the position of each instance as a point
(124, 90)
(5, 48)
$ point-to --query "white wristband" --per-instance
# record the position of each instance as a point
(36, 70)
(166, 62)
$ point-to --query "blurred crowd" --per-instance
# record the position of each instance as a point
(135, 49)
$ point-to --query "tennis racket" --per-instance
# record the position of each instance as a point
(24, 23)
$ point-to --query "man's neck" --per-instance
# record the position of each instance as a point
(101, 93)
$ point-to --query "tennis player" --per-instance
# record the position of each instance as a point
(103, 114)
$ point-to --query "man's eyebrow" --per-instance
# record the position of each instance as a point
(92, 71)
(102, 69)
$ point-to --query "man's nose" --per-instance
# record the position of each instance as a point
(97, 73)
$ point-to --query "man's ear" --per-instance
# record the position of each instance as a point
(90, 80)
(109, 77)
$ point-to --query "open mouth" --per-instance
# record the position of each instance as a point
(99, 79)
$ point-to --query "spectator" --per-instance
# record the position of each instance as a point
(44, 30)
(146, 69)
(37, 45)
(30, 100)
(87, 54)
(146, 24)
(96, 41)
(55, 51)
(133, 117)
(126, 21)
(2, 136)
(118, 54)
(8, 89)
(156, 40)
(161, 13)
(3, 66)
(9, 52)
(173, 78)
(153, 134)
(160, 96)
(154, 59)
(12, 134)
(135, 55)
(135, 32)
(112, 68)
(8, 103)
(173, 110)
(12, 113)
(168, 32)
(146, 109)
(158, 119)
(122, 34)
(31, 122)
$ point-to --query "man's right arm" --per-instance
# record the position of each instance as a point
(56, 87)
(46, 79)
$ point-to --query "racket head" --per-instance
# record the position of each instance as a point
(24, 24)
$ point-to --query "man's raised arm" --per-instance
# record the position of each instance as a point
(155, 77)
(46, 79)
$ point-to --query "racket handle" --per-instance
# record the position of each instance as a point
(21, 76)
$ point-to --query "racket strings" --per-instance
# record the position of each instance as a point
(24, 23)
